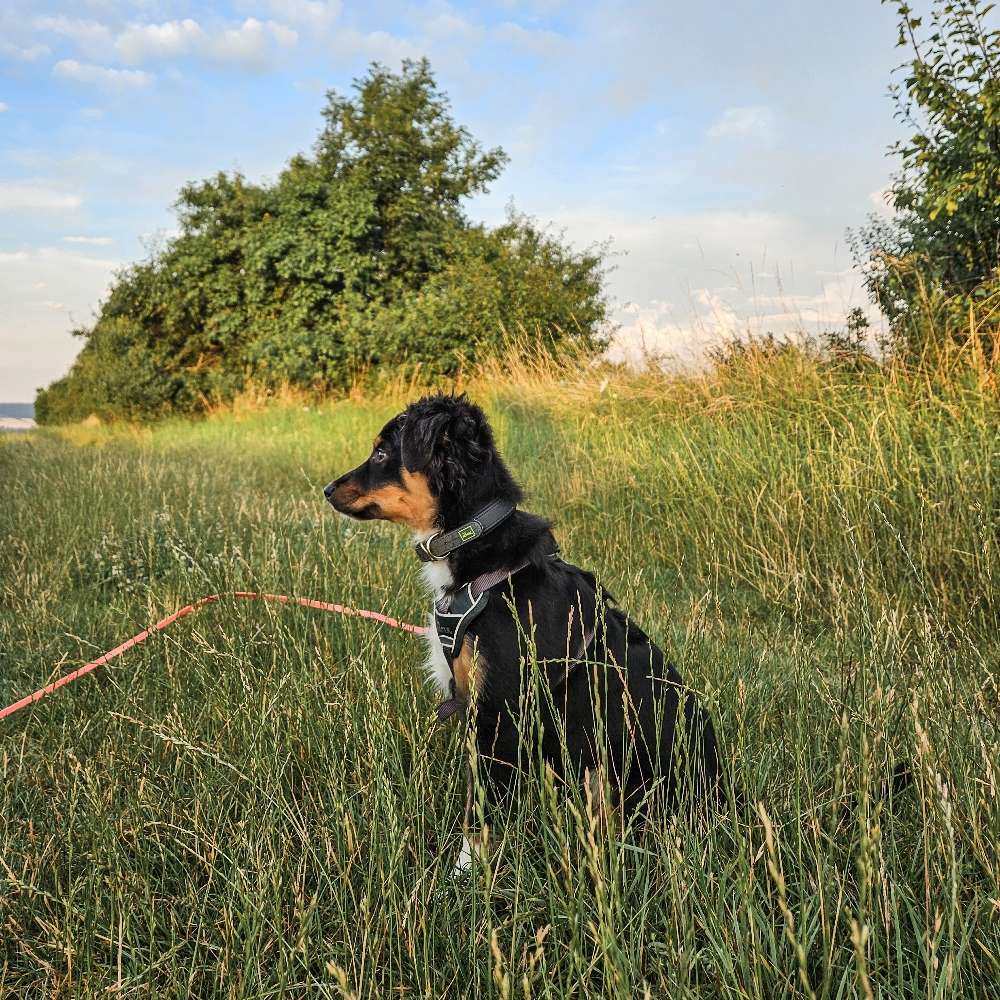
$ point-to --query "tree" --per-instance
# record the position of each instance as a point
(396, 140)
(358, 256)
(941, 250)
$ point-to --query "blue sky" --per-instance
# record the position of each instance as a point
(724, 149)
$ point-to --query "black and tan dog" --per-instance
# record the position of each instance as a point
(511, 618)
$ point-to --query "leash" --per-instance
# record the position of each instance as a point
(111, 654)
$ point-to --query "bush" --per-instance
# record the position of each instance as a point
(356, 257)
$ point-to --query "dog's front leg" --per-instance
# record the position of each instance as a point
(474, 836)
(464, 862)
(466, 673)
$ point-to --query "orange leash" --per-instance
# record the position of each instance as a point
(111, 654)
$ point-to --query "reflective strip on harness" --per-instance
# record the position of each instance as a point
(453, 617)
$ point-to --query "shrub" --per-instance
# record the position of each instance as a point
(356, 257)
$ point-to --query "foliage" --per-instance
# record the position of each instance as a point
(940, 252)
(358, 256)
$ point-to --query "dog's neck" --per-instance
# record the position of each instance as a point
(519, 539)
(438, 575)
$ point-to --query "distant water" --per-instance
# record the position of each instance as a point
(22, 410)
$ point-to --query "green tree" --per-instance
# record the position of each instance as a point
(358, 255)
(940, 251)
(396, 141)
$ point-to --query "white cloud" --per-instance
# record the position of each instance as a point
(282, 34)
(35, 196)
(663, 330)
(881, 201)
(693, 279)
(93, 241)
(139, 42)
(742, 121)
(23, 54)
(254, 44)
(451, 26)
(313, 12)
(4, 107)
(44, 293)
(658, 329)
(90, 37)
(378, 45)
(538, 41)
(115, 79)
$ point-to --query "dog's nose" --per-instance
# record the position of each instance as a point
(328, 491)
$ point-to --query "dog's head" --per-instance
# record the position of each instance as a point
(432, 465)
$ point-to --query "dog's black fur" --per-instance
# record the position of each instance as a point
(617, 708)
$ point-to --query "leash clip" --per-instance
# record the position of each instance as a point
(425, 552)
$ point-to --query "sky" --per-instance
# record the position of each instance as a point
(724, 149)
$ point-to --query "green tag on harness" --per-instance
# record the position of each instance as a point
(467, 533)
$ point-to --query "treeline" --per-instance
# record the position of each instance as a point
(358, 256)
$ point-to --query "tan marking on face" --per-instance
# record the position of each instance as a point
(423, 503)
(410, 504)
(346, 496)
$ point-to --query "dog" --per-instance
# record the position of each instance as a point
(513, 621)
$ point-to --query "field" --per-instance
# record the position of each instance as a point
(258, 803)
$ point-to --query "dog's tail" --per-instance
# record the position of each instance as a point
(887, 790)
(900, 779)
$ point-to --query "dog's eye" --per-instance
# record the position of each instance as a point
(379, 455)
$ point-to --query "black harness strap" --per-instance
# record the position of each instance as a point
(452, 617)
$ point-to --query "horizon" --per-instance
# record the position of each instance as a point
(725, 185)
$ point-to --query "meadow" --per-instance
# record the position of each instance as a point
(259, 802)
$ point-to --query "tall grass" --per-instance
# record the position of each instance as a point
(258, 803)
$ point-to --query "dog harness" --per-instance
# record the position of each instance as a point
(454, 614)
(441, 544)
(452, 617)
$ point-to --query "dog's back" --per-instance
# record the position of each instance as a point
(606, 699)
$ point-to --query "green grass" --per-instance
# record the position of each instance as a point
(257, 803)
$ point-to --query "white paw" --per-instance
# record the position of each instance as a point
(464, 862)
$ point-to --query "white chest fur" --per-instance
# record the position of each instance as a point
(437, 576)
(436, 665)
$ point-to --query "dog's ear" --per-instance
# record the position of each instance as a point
(420, 439)
(446, 446)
